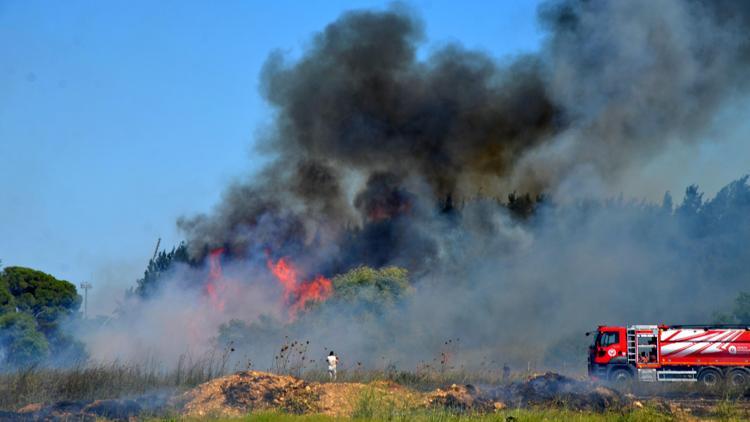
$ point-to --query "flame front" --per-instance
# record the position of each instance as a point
(298, 293)
(214, 285)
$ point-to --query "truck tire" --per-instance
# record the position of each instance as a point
(709, 377)
(738, 377)
(620, 376)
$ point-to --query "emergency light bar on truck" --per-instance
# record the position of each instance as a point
(706, 353)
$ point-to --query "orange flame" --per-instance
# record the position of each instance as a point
(318, 289)
(298, 293)
(214, 286)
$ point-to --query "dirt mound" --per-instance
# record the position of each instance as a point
(243, 392)
(116, 410)
(463, 398)
(238, 394)
(556, 390)
(339, 399)
(547, 390)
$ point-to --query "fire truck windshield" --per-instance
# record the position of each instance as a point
(607, 338)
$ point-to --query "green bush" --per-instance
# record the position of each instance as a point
(20, 340)
(371, 288)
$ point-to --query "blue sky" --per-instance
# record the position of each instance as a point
(118, 117)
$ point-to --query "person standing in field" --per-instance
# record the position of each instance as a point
(333, 360)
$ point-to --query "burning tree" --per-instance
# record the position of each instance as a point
(158, 266)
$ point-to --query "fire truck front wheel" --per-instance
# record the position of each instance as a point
(709, 377)
(619, 376)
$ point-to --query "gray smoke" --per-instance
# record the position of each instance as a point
(382, 158)
(633, 77)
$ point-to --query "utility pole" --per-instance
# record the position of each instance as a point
(85, 286)
(156, 250)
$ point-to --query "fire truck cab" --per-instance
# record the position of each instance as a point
(706, 353)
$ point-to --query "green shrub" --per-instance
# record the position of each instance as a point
(20, 342)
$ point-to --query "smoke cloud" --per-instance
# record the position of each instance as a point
(382, 158)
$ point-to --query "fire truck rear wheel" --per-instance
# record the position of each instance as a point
(709, 377)
(619, 376)
(738, 377)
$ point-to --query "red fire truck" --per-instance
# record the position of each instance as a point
(709, 354)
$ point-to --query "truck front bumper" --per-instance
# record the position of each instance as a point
(598, 372)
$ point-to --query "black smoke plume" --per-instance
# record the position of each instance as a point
(382, 155)
(368, 135)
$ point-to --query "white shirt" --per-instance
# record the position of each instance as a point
(332, 361)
